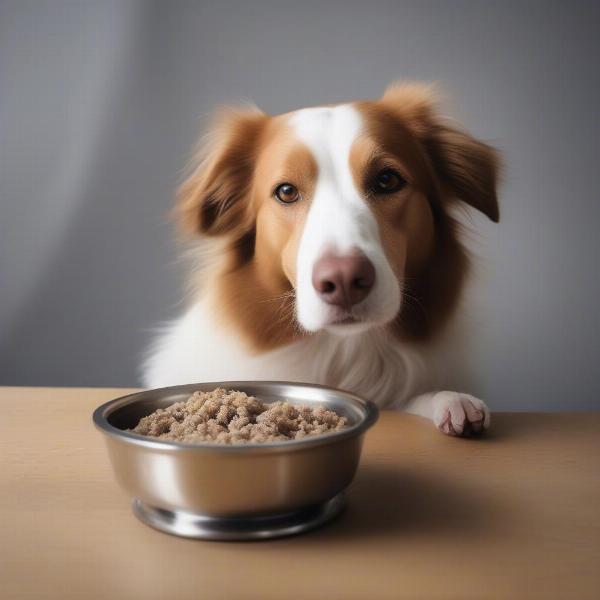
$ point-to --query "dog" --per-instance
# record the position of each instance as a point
(336, 254)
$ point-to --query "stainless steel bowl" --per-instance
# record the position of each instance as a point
(244, 491)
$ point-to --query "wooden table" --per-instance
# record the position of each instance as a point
(514, 515)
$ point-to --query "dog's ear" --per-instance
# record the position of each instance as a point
(466, 168)
(214, 199)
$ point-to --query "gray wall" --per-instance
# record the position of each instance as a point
(100, 103)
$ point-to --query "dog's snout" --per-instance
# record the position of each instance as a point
(343, 280)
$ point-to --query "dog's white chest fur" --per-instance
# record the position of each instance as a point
(374, 365)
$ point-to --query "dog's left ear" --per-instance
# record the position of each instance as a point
(467, 168)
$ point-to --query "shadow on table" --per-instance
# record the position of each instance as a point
(384, 501)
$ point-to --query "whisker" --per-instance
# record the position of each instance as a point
(413, 301)
(291, 294)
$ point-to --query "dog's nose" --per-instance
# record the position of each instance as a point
(343, 280)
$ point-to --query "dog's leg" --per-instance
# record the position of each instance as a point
(453, 413)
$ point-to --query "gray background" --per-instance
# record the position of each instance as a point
(101, 102)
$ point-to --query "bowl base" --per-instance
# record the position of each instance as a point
(201, 526)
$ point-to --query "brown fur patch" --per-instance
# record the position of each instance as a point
(441, 164)
(230, 195)
(466, 168)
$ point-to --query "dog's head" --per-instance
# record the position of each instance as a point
(346, 205)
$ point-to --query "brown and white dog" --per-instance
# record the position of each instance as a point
(338, 260)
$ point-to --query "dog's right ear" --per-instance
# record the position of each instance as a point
(467, 168)
(214, 199)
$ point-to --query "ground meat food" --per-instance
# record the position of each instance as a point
(232, 417)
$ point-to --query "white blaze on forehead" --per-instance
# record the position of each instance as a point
(333, 219)
(339, 219)
(329, 134)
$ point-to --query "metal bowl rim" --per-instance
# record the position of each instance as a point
(101, 414)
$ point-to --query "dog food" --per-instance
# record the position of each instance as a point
(232, 417)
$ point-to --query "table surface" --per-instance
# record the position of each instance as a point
(513, 515)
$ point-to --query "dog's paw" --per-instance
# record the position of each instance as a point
(460, 414)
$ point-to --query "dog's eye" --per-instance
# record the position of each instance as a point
(388, 181)
(287, 193)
